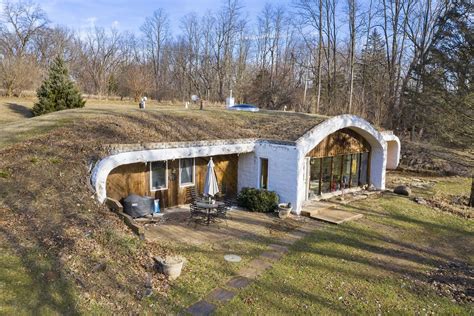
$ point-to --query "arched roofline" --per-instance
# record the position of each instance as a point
(376, 140)
(314, 136)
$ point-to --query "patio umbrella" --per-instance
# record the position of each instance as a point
(210, 185)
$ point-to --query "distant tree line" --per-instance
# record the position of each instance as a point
(386, 60)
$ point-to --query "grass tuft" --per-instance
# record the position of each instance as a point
(4, 174)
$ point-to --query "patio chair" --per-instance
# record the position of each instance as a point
(197, 213)
(222, 211)
(191, 194)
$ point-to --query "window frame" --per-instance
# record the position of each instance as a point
(152, 189)
(260, 173)
(187, 184)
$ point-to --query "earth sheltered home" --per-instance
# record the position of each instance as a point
(334, 154)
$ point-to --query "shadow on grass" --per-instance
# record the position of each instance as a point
(35, 280)
(20, 109)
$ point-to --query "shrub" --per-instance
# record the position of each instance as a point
(258, 200)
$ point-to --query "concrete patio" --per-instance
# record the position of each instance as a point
(176, 227)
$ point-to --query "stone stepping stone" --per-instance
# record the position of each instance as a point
(272, 255)
(278, 248)
(249, 272)
(238, 282)
(220, 295)
(201, 308)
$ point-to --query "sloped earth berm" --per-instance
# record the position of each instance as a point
(51, 221)
(49, 214)
(436, 160)
(426, 192)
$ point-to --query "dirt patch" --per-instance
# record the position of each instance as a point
(454, 279)
(453, 204)
(426, 192)
(279, 227)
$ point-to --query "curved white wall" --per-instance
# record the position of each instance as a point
(106, 165)
(393, 150)
(312, 138)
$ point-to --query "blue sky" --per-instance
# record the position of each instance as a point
(129, 15)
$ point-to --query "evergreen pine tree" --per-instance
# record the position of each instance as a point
(57, 92)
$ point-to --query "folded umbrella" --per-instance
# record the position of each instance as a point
(210, 185)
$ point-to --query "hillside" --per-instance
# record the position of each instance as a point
(50, 219)
(436, 159)
(56, 240)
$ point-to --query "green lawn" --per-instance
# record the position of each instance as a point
(30, 284)
(378, 265)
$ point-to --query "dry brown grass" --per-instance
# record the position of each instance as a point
(51, 223)
(122, 122)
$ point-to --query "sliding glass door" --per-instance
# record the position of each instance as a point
(326, 174)
(355, 170)
(315, 176)
(364, 161)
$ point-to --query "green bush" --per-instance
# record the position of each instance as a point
(57, 92)
(258, 200)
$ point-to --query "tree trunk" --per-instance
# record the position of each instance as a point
(352, 48)
(320, 54)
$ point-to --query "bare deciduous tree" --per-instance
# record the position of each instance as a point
(156, 33)
(20, 23)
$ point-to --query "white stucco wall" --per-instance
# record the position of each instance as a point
(282, 169)
(247, 176)
(393, 149)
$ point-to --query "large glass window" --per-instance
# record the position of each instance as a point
(158, 175)
(314, 175)
(186, 172)
(336, 173)
(326, 174)
(355, 170)
(263, 173)
(346, 171)
(364, 161)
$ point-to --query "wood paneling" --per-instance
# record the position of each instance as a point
(342, 142)
(127, 179)
(134, 179)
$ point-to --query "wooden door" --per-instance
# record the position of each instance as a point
(173, 182)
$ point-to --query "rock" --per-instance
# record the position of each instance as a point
(420, 200)
(99, 267)
(402, 190)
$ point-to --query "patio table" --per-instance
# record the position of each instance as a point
(209, 207)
